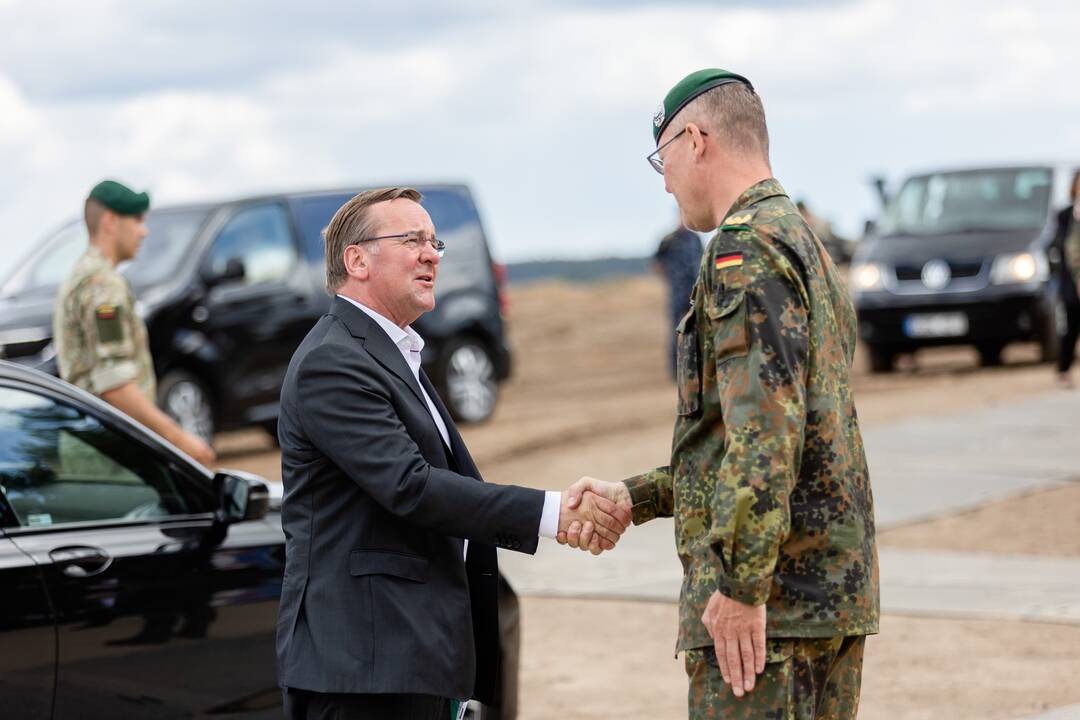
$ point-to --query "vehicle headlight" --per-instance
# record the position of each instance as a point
(1022, 267)
(866, 277)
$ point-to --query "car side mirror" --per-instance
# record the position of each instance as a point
(241, 496)
(234, 270)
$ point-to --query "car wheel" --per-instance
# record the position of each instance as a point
(990, 355)
(187, 400)
(467, 379)
(882, 359)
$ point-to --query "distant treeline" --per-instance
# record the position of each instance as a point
(575, 270)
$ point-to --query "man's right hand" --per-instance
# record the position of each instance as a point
(581, 535)
(604, 520)
(196, 448)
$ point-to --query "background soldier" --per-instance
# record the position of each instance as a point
(101, 342)
(767, 481)
(677, 260)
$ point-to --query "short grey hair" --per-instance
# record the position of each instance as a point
(735, 112)
(353, 223)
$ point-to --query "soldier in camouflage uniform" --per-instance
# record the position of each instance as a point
(767, 481)
(101, 341)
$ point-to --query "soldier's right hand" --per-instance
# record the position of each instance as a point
(197, 449)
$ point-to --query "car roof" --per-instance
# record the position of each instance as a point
(300, 194)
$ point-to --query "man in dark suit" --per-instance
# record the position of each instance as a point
(1066, 238)
(388, 608)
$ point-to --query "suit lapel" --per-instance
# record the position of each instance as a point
(376, 342)
(457, 445)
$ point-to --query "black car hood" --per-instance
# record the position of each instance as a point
(973, 245)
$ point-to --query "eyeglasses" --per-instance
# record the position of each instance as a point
(654, 157)
(413, 241)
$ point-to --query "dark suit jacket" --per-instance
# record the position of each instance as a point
(377, 597)
(1066, 281)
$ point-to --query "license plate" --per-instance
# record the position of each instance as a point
(936, 325)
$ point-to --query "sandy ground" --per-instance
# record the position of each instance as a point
(590, 395)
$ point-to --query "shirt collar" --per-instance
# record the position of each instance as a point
(399, 336)
(755, 194)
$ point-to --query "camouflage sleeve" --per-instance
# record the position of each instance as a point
(759, 324)
(652, 494)
(105, 317)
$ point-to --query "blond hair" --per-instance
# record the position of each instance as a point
(353, 223)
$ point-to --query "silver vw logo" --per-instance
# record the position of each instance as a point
(936, 275)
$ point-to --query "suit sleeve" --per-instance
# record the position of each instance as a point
(350, 417)
(763, 327)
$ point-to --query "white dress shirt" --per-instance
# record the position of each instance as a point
(409, 342)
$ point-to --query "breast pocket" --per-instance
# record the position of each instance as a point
(688, 366)
(727, 316)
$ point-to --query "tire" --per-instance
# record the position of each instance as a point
(882, 359)
(990, 355)
(187, 400)
(466, 380)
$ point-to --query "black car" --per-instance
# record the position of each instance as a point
(229, 289)
(135, 583)
(960, 257)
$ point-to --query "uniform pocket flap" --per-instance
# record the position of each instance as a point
(383, 562)
(777, 651)
(726, 305)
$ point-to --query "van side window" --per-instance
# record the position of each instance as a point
(259, 237)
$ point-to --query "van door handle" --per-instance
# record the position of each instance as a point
(81, 561)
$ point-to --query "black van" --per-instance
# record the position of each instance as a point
(960, 257)
(229, 289)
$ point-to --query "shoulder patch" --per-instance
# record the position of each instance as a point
(728, 260)
(107, 321)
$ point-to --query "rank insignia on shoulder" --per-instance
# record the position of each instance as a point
(739, 219)
(729, 260)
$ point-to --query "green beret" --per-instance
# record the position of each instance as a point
(119, 198)
(689, 88)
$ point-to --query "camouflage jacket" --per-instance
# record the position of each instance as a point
(101, 342)
(768, 481)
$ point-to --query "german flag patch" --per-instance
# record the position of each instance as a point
(728, 260)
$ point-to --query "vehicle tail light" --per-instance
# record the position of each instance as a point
(500, 286)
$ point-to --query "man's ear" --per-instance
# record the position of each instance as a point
(697, 139)
(357, 262)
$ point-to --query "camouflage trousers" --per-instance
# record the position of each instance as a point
(804, 679)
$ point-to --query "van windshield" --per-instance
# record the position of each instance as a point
(171, 233)
(999, 199)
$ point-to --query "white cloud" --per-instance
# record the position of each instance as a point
(542, 107)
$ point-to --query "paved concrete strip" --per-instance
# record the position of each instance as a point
(1014, 587)
(930, 584)
(1070, 712)
(926, 467)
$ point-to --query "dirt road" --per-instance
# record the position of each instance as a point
(590, 395)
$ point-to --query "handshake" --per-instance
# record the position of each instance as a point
(594, 514)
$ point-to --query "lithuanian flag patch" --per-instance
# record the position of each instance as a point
(728, 260)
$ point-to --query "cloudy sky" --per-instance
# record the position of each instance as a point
(543, 107)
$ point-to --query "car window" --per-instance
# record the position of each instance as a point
(60, 465)
(465, 263)
(995, 199)
(260, 238)
(312, 215)
(169, 239)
